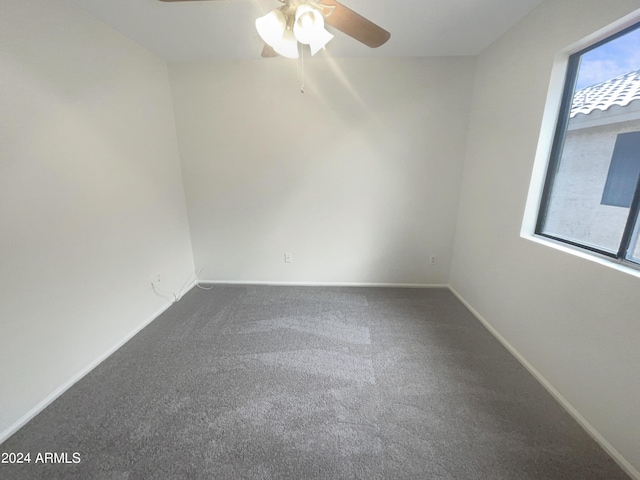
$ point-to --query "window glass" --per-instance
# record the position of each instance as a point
(623, 170)
(595, 164)
(634, 250)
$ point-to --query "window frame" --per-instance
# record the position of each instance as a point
(555, 156)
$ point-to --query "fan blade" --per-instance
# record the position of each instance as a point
(182, 0)
(355, 25)
(268, 51)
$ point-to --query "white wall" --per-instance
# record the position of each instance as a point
(577, 322)
(91, 200)
(358, 177)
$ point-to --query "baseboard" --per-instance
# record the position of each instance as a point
(22, 421)
(607, 447)
(322, 284)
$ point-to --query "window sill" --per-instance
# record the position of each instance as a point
(587, 255)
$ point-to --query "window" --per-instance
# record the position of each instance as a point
(591, 195)
(624, 168)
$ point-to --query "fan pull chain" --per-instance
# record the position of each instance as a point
(302, 69)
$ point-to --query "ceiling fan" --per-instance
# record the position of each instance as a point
(303, 21)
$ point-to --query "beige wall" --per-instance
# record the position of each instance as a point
(91, 199)
(358, 177)
(577, 322)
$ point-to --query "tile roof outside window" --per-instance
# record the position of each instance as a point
(621, 91)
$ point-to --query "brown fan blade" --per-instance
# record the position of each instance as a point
(268, 51)
(354, 25)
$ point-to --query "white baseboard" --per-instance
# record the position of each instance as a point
(613, 453)
(322, 284)
(22, 421)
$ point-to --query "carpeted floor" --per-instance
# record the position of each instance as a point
(258, 382)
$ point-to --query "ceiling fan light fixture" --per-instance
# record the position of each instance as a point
(271, 27)
(287, 46)
(320, 39)
(307, 21)
(308, 28)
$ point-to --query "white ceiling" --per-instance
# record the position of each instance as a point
(224, 29)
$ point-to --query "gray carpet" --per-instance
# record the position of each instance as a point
(311, 383)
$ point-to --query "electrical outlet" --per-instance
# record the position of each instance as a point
(287, 258)
(432, 260)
